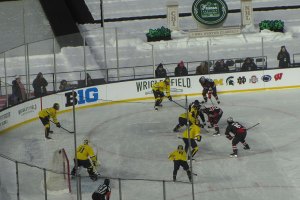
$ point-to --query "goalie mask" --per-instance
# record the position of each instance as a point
(85, 141)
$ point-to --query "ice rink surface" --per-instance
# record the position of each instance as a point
(133, 142)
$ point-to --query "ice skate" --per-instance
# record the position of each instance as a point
(246, 147)
(216, 134)
(234, 154)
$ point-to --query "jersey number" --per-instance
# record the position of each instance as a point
(81, 149)
(236, 125)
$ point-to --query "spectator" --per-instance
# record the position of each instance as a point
(202, 68)
(221, 67)
(89, 79)
(249, 65)
(283, 57)
(39, 85)
(181, 70)
(64, 85)
(160, 71)
(18, 91)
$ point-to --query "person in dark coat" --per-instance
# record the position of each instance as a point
(221, 67)
(160, 71)
(181, 70)
(283, 57)
(39, 85)
(18, 91)
(202, 68)
(249, 65)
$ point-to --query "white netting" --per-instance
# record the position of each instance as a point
(58, 178)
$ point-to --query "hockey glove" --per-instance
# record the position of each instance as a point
(229, 137)
(58, 125)
(199, 138)
(96, 163)
(170, 98)
(201, 126)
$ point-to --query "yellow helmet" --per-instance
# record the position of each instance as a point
(167, 80)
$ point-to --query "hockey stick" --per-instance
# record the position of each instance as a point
(253, 126)
(212, 102)
(63, 128)
(178, 104)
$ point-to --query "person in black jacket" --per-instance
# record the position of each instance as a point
(160, 71)
(181, 70)
(221, 67)
(283, 57)
(249, 65)
(39, 85)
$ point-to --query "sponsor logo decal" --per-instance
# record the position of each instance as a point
(176, 85)
(266, 78)
(81, 97)
(253, 79)
(241, 80)
(230, 81)
(27, 110)
(278, 76)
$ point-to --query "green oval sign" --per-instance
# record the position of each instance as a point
(209, 12)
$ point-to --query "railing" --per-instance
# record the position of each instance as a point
(36, 176)
(296, 57)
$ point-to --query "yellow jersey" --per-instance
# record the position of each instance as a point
(85, 152)
(194, 132)
(161, 86)
(48, 112)
(178, 155)
(191, 117)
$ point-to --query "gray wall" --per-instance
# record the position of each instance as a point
(19, 26)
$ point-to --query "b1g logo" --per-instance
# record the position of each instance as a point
(82, 96)
(209, 12)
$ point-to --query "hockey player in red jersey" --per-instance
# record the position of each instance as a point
(209, 88)
(239, 135)
(214, 114)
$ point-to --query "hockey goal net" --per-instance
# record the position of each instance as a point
(58, 179)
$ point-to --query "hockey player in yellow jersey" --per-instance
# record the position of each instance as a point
(87, 159)
(179, 158)
(158, 90)
(182, 120)
(194, 133)
(45, 116)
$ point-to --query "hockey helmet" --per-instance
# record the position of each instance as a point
(85, 141)
(197, 103)
(167, 80)
(180, 147)
(202, 79)
(56, 106)
(106, 181)
(229, 120)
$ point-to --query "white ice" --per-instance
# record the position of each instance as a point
(133, 142)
